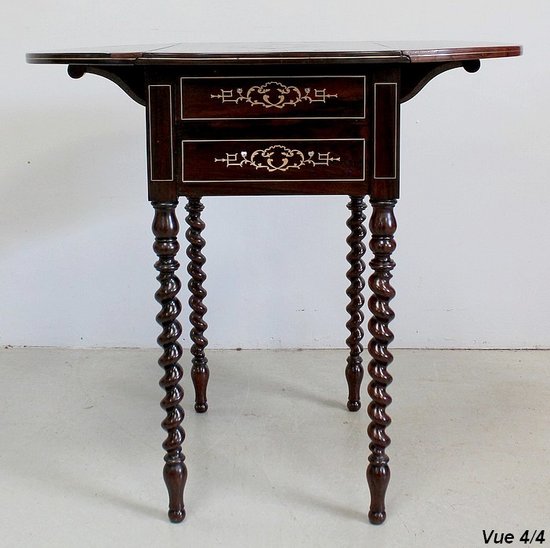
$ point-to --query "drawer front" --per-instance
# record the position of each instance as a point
(205, 161)
(275, 97)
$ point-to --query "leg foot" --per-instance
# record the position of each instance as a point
(176, 516)
(199, 371)
(201, 407)
(354, 367)
(354, 405)
(378, 477)
(377, 518)
(175, 476)
(165, 229)
(382, 226)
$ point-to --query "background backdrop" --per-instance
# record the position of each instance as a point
(473, 239)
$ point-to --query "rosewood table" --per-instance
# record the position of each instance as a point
(267, 119)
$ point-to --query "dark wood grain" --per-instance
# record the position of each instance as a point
(382, 227)
(161, 158)
(199, 371)
(385, 122)
(385, 130)
(166, 246)
(441, 53)
(289, 52)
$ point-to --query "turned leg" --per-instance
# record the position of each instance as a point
(199, 370)
(165, 229)
(382, 226)
(354, 367)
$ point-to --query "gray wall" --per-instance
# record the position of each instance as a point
(473, 232)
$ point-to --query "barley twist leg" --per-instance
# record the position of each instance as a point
(354, 367)
(165, 228)
(199, 371)
(382, 226)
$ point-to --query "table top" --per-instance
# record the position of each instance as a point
(279, 52)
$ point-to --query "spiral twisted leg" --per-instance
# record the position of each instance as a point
(165, 228)
(354, 367)
(199, 371)
(382, 226)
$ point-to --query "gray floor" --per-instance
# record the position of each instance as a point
(277, 461)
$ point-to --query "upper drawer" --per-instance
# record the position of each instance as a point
(229, 98)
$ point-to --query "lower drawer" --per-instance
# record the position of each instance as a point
(205, 161)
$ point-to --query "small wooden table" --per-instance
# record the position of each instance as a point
(268, 119)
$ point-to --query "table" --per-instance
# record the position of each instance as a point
(275, 119)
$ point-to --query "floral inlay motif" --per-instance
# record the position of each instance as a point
(277, 158)
(274, 95)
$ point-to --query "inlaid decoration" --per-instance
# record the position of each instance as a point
(278, 158)
(274, 95)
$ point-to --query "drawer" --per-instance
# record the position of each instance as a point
(256, 160)
(272, 97)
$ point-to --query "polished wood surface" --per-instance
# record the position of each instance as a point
(267, 119)
(281, 52)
